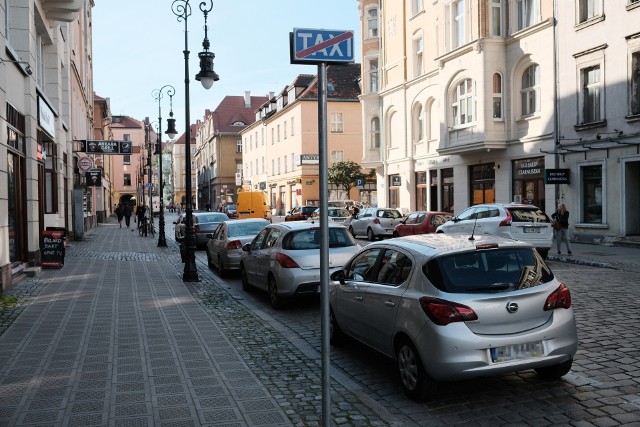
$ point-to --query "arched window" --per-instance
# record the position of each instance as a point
(417, 123)
(497, 96)
(529, 91)
(463, 103)
(375, 132)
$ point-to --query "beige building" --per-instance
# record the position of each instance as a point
(46, 91)
(461, 97)
(104, 205)
(280, 150)
(129, 171)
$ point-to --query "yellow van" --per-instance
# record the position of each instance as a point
(253, 204)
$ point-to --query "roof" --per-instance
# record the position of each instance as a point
(125, 122)
(232, 109)
(342, 83)
(182, 138)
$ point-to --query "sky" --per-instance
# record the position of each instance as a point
(138, 46)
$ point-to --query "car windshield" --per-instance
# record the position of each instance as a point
(310, 239)
(495, 270)
(528, 215)
(245, 228)
(212, 217)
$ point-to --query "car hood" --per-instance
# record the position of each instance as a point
(310, 259)
(495, 319)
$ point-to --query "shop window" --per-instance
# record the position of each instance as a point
(483, 180)
(51, 177)
(592, 212)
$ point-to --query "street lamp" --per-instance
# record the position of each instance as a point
(171, 133)
(182, 9)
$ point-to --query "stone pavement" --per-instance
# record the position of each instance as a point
(116, 338)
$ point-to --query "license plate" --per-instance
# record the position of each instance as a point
(516, 352)
(531, 229)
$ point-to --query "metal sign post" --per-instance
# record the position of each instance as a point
(315, 46)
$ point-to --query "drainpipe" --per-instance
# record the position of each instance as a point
(556, 97)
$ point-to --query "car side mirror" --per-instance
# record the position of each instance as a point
(246, 247)
(338, 276)
(455, 219)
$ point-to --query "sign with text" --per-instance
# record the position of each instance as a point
(93, 178)
(556, 176)
(52, 248)
(314, 46)
(108, 147)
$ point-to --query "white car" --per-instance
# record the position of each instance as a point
(375, 223)
(284, 258)
(527, 223)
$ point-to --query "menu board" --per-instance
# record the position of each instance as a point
(52, 249)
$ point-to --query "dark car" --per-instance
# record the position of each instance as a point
(231, 211)
(300, 213)
(421, 222)
(203, 223)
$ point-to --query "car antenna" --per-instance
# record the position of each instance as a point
(475, 212)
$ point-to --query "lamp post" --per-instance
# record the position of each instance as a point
(171, 133)
(182, 9)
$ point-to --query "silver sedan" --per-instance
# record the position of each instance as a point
(224, 247)
(449, 307)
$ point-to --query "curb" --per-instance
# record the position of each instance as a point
(578, 261)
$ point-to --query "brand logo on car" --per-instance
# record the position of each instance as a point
(512, 307)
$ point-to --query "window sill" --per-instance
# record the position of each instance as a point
(527, 118)
(634, 5)
(589, 22)
(591, 125)
(632, 117)
(591, 226)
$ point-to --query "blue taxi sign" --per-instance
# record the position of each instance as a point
(314, 46)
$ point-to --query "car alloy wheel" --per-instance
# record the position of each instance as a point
(274, 298)
(416, 383)
(370, 235)
(221, 270)
(209, 261)
(244, 279)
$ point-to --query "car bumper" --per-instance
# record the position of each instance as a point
(295, 281)
(232, 260)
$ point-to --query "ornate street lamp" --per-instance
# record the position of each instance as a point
(182, 9)
(171, 133)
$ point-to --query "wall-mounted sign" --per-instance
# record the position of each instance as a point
(108, 147)
(85, 164)
(395, 181)
(556, 176)
(46, 118)
(308, 159)
(94, 178)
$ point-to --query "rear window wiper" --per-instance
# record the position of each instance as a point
(492, 287)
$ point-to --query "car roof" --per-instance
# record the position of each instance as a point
(505, 205)
(244, 221)
(302, 225)
(448, 243)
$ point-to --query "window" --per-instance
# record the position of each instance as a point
(372, 22)
(455, 24)
(373, 75)
(278, 133)
(635, 83)
(279, 165)
(497, 23)
(417, 124)
(51, 177)
(286, 164)
(239, 146)
(528, 13)
(463, 103)
(588, 9)
(529, 91)
(273, 135)
(273, 166)
(375, 132)
(416, 6)
(591, 94)
(292, 126)
(126, 159)
(126, 137)
(336, 123)
(337, 156)
(592, 194)
(127, 179)
(497, 96)
(293, 161)
(417, 56)
(285, 130)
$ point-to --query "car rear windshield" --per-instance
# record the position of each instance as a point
(212, 217)
(528, 215)
(310, 239)
(308, 209)
(496, 270)
(242, 228)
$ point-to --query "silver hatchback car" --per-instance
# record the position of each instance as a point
(375, 223)
(224, 247)
(284, 258)
(447, 307)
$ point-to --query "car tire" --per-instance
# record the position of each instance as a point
(209, 262)
(274, 299)
(335, 333)
(417, 385)
(221, 270)
(351, 231)
(246, 286)
(395, 234)
(556, 371)
(370, 235)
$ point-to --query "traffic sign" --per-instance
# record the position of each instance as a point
(314, 46)
(85, 164)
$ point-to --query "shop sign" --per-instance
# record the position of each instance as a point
(46, 118)
(108, 147)
(556, 176)
(309, 159)
(94, 178)
(396, 181)
(530, 168)
(52, 248)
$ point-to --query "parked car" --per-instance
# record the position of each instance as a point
(284, 259)
(231, 211)
(421, 222)
(448, 308)
(347, 204)
(375, 223)
(515, 221)
(225, 243)
(300, 213)
(203, 223)
(338, 215)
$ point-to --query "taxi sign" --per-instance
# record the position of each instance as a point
(314, 46)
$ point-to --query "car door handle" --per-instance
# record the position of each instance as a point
(358, 298)
(389, 303)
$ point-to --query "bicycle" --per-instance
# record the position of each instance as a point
(146, 228)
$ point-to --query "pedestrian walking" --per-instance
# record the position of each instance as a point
(119, 214)
(140, 213)
(127, 214)
(561, 227)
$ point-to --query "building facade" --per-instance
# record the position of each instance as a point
(178, 175)
(46, 91)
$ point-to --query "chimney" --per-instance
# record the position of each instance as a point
(247, 99)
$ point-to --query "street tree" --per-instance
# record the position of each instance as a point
(344, 174)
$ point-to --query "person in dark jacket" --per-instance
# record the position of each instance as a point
(561, 216)
(127, 214)
(119, 214)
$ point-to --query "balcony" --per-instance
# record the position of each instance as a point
(62, 10)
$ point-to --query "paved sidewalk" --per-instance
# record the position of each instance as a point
(116, 338)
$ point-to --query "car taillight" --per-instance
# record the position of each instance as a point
(234, 244)
(376, 221)
(442, 312)
(285, 261)
(507, 221)
(560, 298)
(196, 228)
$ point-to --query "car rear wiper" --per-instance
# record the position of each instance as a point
(492, 287)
